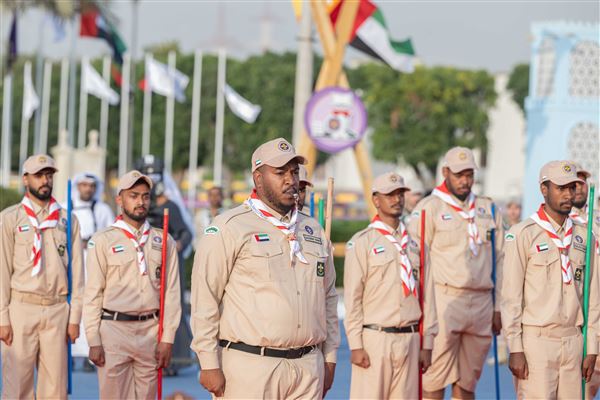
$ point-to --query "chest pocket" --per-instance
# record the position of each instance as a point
(317, 262)
(120, 263)
(484, 228)
(154, 265)
(59, 238)
(381, 266)
(544, 264)
(448, 231)
(267, 262)
(577, 259)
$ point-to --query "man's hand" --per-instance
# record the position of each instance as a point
(213, 380)
(496, 323)
(6, 334)
(72, 332)
(329, 374)
(425, 360)
(517, 363)
(97, 355)
(163, 355)
(587, 369)
(360, 357)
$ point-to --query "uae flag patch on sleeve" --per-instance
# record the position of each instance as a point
(541, 247)
(117, 249)
(378, 250)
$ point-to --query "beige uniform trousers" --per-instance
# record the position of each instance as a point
(130, 370)
(250, 376)
(554, 362)
(39, 341)
(464, 338)
(394, 370)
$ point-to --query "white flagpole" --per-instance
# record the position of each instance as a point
(170, 111)
(104, 105)
(196, 99)
(124, 122)
(6, 129)
(218, 162)
(45, 107)
(62, 102)
(147, 109)
(23, 147)
(304, 73)
(83, 98)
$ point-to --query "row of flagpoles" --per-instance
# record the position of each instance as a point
(161, 79)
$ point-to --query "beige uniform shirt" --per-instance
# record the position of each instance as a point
(452, 262)
(533, 292)
(246, 289)
(16, 265)
(114, 281)
(373, 292)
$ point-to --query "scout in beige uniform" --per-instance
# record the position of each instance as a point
(579, 213)
(542, 294)
(122, 297)
(264, 305)
(458, 225)
(303, 185)
(35, 318)
(381, 281)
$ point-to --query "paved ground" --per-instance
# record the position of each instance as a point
(86, 384)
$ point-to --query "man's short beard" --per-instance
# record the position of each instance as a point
(272, 199)
(136, 218)
(38, 195)
(580, 204)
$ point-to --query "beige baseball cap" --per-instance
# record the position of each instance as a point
(130, 178)
(459, 158)
(581, 170)
(559, 172)
(38, 162)
(304, 176)
(275, 153)
(387, 183)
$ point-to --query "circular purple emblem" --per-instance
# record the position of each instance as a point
(335, 119)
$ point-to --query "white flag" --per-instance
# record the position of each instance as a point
(166, 82)
(240, 106)
(31, 101)
(95, 85)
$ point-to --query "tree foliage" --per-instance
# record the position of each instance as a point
(518, 84)
(418, 116)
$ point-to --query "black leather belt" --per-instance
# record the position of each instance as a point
(405, 329)
(117, 316)
(266, 351)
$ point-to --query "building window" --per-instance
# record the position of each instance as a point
(584, 70)
(546, 67)
(583, 146)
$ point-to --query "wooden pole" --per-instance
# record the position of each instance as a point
(421, 289)
(163, 281)
(329, 208)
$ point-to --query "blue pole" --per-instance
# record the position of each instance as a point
(312, 204)
(494, 337)
(69, 280)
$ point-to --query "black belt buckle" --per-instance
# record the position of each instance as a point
(295, 353)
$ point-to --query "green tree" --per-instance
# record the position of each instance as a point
(419, 116)
(518, 84)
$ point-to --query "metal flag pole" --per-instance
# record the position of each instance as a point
(69, 280)
(163, 278)
(494, 337)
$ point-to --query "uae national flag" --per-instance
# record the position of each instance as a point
(371, 36)
(94, 24)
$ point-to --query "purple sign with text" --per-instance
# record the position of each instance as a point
(335, 119)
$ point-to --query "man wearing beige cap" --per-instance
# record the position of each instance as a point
(122, 297)
(264, 305)
(458, 228)
(304, 183)
(381, 295)
(542, 294)
(35, 319)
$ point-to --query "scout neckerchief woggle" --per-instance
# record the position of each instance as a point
(139, 246)
(444, 194)
(563, 245)
(50, 222)
(408, 280)
(288, 229)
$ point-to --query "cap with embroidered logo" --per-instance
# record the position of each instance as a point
(130, 178)
(559, 172)
(38, 162)
(275, 153)
(387, 183)
(459, 159)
